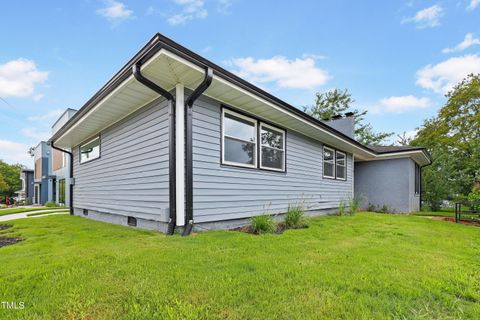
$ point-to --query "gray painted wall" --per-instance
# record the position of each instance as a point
(390, 182)
(223, 192)
(131, 176)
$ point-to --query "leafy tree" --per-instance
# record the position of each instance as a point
(9, 179)
(338, 101)
(403, 139)
(453, 139)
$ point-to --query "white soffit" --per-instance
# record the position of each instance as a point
(167, 69)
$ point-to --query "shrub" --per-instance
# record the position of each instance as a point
(371, 207)
(295, 216)
(51, 204)
(474, 196)
(341, 208)
(354, 203)
(263, 224)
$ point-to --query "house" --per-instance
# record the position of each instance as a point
(52, 169)
(175, 141)
(26, 194)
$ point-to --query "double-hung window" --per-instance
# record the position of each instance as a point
(334, 164)
(247, 142)
(239, 142)
(90, 150)
(328, 163)
(272, 151)
(341, 165)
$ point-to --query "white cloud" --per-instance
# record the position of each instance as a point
(224, 6)
(190, 9)
(53, 114)
(36, 135)
(13, 152)
(115, 11)
(18, 78)
(443, 76)
(467, 42)
(398, 104)
(298, 73)
(473, 5)
(426, 18)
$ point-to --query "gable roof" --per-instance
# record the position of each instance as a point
(161, 48)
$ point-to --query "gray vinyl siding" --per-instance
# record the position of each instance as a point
(222, 192)
(131, 176)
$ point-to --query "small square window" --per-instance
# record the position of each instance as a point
(90, 150)
(85, 212)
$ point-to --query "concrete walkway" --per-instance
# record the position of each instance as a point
(22, 215)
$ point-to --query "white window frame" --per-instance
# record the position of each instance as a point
(333, 161)
(255, 149)
(344, 166)
(263, 124)
(87, 142)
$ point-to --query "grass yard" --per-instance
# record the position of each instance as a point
(20, 210)
(442, 213)
(362, 267)
(42, 212)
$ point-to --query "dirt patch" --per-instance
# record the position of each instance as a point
(5, 241)
(4, 226)
(280, 228)
(475, 223)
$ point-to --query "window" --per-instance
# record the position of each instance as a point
(341, 165)
(90, 150)
(334, 164)
(131, 221)
(272, 151)
(328, 163)
(61, 191)
(417, 179)
(239, 140)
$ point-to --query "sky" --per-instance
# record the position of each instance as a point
(397, 58)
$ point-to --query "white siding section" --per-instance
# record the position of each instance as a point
(131, 176)
(222, 192)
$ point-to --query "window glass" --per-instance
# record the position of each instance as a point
(273, 148)
(239, 140)
(61, 191)
(90, 150)
(239, 151)
(328, 162)
(417, 179)
(341, 165)
(239, 128)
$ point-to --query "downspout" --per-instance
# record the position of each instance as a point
(171, 143)
(189, 149)
(70, 189)
(421, 184)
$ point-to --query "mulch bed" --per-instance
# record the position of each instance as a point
(475, 223)
(280, 229)
(7, 241)
(4, 226)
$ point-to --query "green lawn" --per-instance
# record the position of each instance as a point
(369, 266)
(435, 213)
(20, 210)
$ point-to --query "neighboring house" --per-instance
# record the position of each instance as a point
(52, 174)
(173, 140)
(43, 180)
(26, 193)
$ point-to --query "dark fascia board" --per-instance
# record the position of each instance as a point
(158, 42)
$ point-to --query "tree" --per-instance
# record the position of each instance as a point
(403, 139)
(338, 101)
(9, 179)
(453, 139)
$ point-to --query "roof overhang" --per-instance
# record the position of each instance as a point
(167, 63)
